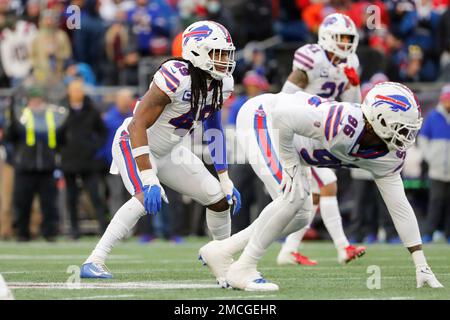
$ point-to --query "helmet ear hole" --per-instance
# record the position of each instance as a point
(194, 53)
(383, 123)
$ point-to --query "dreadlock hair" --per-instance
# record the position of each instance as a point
(199, 87)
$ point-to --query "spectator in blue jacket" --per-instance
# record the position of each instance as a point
(434, 140)
(150, 24)
(88, 44)
(113, 119)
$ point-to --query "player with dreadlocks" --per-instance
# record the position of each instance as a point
(147, 147)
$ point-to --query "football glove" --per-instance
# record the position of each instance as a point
(292, 183)
(352, 76)
(231, 193)
(153, 192)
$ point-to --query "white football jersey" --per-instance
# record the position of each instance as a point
(178, 119)
(324, 78)
(328, 135)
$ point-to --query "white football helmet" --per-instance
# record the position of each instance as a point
(394, 113)
(203, 44)
(333, 27)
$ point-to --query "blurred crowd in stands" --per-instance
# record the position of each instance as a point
(69, 49)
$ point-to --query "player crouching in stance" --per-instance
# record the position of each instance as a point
(289, 132)
(147, 150)
(327, 69)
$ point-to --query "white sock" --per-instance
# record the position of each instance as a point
(237, 242)
(419, 259)
(293, 240)
(329, 210)
(268, 228)
(219, 223)
(124, 220)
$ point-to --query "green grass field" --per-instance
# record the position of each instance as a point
(162, 270)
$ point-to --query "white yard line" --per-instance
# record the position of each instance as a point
(101, 297)
(56, 257)
(111, 285)
(238, 297)
(380, 298)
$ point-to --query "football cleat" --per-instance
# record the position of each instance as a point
(93, 270)
(286, 258)
(424, 275)
(349, 253)
(248, 279)
(217, 260)
(5, 293)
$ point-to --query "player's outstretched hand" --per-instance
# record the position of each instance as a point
(424, 275)
(292, 182)
(231, 193)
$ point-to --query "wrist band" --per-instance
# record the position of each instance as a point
(149, 177)
(139, 151)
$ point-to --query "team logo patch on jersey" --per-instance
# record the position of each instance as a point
(397, 102)
(198, 34)
(124, 137)
(260, 112)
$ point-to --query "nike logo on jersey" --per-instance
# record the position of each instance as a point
(324, 73)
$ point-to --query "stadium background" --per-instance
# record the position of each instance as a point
(120, 44)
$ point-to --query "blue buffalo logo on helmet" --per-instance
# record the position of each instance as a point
(198, 33)
(329, 21)
(397, 102)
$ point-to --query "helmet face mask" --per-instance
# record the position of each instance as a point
(394, 114)
(332, 32)
(403, 137)
(222, 63)
(208, 46)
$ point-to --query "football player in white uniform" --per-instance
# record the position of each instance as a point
(289, 132)
(147, 147)
(327, 69)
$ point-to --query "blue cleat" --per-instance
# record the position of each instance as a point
(93, 270)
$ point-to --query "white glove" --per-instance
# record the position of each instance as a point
(292, 182)
(424, 275)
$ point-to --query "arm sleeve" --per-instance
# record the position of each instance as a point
(405, 221)
(215, 137)
(289, 119)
